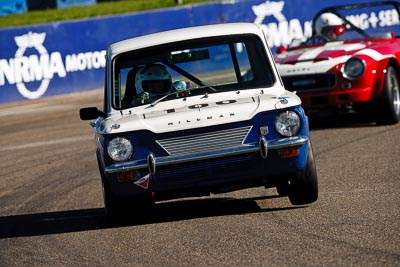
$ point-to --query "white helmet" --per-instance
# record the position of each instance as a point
(153, 79)
(329, 20)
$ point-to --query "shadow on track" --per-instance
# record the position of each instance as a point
(94, 219)
(347, 120)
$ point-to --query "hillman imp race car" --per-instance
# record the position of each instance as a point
(351, 63)
(198, 111)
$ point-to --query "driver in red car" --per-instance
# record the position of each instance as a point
(329, 26)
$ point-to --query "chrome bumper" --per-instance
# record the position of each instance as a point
(152, 162)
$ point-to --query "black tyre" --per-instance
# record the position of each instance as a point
(283, 188)
(126, 209)
(389, 101)
(122, 209)
(113, 206)
(303, 187)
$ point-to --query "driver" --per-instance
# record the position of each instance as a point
(152, 81)
(329, 26)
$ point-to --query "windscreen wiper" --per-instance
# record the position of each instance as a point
(177, 92)
(188, 75)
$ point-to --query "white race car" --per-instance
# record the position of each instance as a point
(196, 111)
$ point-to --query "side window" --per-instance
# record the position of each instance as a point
(120, 87)
(243, 61)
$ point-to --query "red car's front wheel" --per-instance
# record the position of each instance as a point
(390, 98)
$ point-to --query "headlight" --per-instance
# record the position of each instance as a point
(120, 149)
(288, 123)
(353, 68)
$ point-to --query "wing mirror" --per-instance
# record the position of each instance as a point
(90, 113)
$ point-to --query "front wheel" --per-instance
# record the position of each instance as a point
(283, 188)
(389, 104)
(303, 185)
(113, 206)
(123, 209)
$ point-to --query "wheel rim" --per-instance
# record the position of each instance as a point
(394, 85)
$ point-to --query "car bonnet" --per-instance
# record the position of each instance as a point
(198, 111)
(317, 59)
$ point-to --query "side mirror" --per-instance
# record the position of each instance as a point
(90, 113)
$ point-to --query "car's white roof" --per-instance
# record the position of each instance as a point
(181, 35)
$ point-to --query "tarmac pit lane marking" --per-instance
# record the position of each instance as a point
(45, 143)
(33, 108)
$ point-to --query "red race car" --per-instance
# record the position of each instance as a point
(351, 62)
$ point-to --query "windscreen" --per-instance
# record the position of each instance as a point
(190, 68)
(379, 20)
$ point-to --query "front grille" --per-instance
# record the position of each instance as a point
(310, 82)
(206, 142)
(221, 170)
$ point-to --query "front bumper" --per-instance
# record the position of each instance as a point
(335, 97)
(152, 162)
(331, 89)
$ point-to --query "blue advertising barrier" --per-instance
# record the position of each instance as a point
(8, 7)
(64, 57)
(71, 3)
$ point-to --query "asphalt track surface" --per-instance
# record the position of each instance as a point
(51, 209)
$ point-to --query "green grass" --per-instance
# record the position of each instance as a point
(102, 8)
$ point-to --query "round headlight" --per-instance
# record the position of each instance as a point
(288, 123)
(120, 149)
(353, 68)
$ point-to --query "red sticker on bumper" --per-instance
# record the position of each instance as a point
(143, 182)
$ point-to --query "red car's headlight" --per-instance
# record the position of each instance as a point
(353, 68)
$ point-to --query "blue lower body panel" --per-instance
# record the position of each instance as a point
(213, 175)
